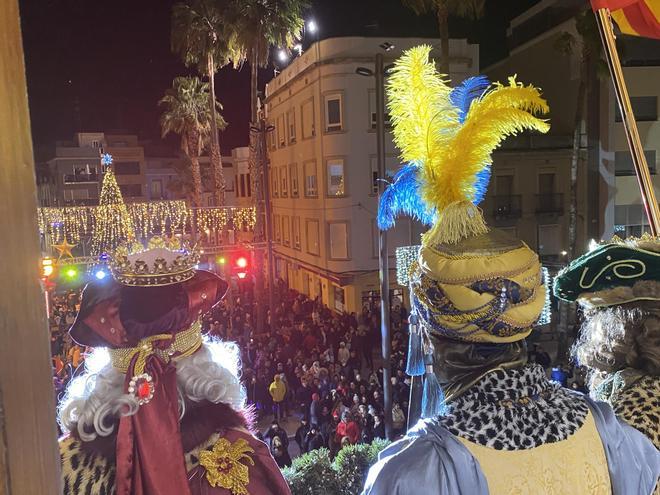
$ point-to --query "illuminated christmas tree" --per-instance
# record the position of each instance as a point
(113, 225)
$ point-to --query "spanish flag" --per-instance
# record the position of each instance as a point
(635, 17)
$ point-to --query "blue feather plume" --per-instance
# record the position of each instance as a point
(402, 197)
(463, 94)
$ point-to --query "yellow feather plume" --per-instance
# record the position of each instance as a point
(450, 154)
(419, 106)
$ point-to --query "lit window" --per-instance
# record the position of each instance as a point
(286, 231)
(312, 236)
(311, 188)
(333, 113)
(336, 177)
(276, 228)
(291, 122)
(284, 190)
(293, 173)
(307, 114)
(338, 234)
(274, 182)
(296, 232)
(281, 131)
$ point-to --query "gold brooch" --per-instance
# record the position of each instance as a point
(225, 465)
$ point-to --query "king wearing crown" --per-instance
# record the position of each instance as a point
(159, 409)
(492, 423)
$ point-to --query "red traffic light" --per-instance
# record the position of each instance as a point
(242, 262)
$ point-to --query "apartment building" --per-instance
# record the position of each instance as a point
(323, 168)
(529, 192)
(75, 171)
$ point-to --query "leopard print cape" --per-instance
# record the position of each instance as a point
(516, 409)
(639, 406)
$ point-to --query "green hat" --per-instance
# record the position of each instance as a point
(617, 272)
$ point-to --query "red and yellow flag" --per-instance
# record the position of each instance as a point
(635, 17)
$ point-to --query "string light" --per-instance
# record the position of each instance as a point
(546, 312)
(405, 257)
(113, 224)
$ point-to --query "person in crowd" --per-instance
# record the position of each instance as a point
(343, 354)
(280, 453)
(348, 428)
(379, 427)
(314, 439)
(277, 392)
(301, 435)
(619, 342)
(491, 422)
(315, 409)
(398, 419)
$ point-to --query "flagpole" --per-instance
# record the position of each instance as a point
(632, 135)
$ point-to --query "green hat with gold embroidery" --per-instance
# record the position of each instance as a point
(616, 272)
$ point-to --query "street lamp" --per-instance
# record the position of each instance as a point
(311, 26)
(383, 261)
(282, 55)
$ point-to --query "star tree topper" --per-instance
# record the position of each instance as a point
(64, 249)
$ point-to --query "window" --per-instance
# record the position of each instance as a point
(130, 190)
(504, 185)
(286, 231)
(272, 138)
(645, 108)
(336, 177)
(373, 112)
(157, 189)
(338, 234)
(241, 185)
(549, 240)
(546, 184)
(339, 298)
(284, 190)
(630, 220)
(312, 236)
(391, 167)
(281, 132)
(277, 233)
(311, 188)
(333, 113)
(291, 123)
(127, 168)
(623, 164)
(293, 173)
(274, 182)
(296, 232)
(307, 111)
(96, 144)
(82, 174)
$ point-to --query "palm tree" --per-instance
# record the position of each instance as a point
(187, 114)
(259, 25)
(469, 9)
(201, 37)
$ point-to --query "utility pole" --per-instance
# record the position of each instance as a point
(383, 260)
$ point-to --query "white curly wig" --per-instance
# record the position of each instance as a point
(94, 400)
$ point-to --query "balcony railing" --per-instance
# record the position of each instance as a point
(78, 178)
(550, 204)
(507, 207)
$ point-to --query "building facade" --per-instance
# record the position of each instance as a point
(75, 170)
(323, 169)
(530, 188)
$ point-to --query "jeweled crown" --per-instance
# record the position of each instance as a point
(165, 261)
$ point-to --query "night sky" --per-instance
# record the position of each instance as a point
(103, 66)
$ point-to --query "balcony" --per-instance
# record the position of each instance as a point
(507, 207)
(81, 178)
(550, 204)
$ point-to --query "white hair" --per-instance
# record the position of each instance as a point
(95, 399)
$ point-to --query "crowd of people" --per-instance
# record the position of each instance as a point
(309, 365)
(317, 367)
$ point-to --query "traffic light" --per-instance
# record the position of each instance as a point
(47, 267)
(241, 267)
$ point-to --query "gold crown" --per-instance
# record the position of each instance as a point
(165, 261)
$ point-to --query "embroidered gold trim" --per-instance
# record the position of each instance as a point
(226, 465)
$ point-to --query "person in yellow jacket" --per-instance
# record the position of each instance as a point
(277, 391)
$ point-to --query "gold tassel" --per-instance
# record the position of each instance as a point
(457, 221)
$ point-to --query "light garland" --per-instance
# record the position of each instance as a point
(405, 257)
(546, 312)
(74, 223)
(113, 225)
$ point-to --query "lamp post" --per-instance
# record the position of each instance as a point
(383, 261)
